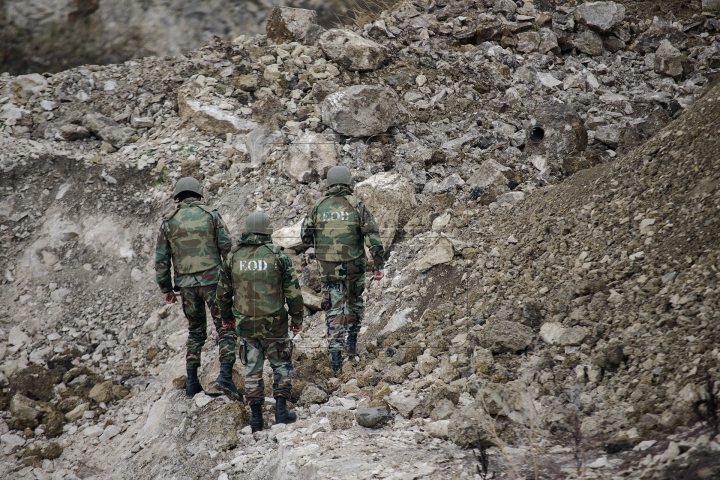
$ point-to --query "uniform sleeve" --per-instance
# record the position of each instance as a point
(291, 290)
(371, 234)
(163, 276)
(224, 293)
(307, 232)
(224, 242)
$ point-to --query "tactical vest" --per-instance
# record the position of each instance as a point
(257, 280)
(338, 237)
(191, 233)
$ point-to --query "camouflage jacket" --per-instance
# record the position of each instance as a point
(369, 231)
(264, 326)
(163, 257)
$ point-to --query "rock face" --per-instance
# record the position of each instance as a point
(352, 51)
(287, 24)
(310, 157)
(390, 198)
(600, 16)
(362, 110)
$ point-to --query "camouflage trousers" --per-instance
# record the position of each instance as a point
(278, 352)
(194, 300)
(342, 287)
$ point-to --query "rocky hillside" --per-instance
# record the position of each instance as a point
(546, 180)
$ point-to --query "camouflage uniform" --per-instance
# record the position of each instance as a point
(256, 281)
(338, 226)
(196, 239)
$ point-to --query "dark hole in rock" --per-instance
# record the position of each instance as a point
(536, 134)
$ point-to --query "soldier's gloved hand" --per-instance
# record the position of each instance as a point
(378, 275)
(170, 297)
(296, 328)
(230, 324)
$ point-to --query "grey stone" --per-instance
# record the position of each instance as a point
(312, 394)
(109, 130)
(563, 134)
(23, 408)
(209, 117)
(260, 143)
(504, 336)
(351, 50)
(609, 135)
(588, 42)
(25, 86)
(711, 5)
(374, 417)
(443, 410)
(470, 425)
(362, 110)
(669, 60)
(341, 419)
(490, 172)
(600, 16)
(404, 402)
(287, 24)
(528, 42)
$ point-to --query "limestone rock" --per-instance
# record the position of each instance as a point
(374, 417)
(362, 110)
(312, 394)
(426, 364)
(609, 135)
(210, 117)
(556, 334)
(490, 172)
(588, 42)
(341, 419)
(351, 50)
(288, 237)
(504, 336)
(404, 402)
(310, 157)
(24, 409)
(600, 16)
(109, 130)
(438, 429)
(259, 144)
(468, 426)
(287, 24)
(102, 392)
(440, 251)
(25, 86)
(669, 61)
(390, 198)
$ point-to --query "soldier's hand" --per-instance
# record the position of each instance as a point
(170, 297)
(378, 275)
(230, 325)
(296, 328)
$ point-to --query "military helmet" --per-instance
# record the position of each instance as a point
(339, 175)
(258, 222)
(187, 184)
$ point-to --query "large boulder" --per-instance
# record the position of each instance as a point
(404, 402)
(588, 42)
(209, 117)
(440, 251)
(600, 16)
(374, 417)
(109, 130)
(504, 336)
(211, 372)
(288, 237)
(260, 143)
(310, 156)
(362, 110)
(390, 198)
(470, 426)
(489, 173)
(351, 50)
(287, 24)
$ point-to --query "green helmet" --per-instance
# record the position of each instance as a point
(339, 175)
(187, 184)
(258, 222)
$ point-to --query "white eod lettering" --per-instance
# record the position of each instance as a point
(341, 216)
(253, 265)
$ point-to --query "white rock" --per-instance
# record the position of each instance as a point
(389, 197)
(362, 110)
(490, 172)
(438, 429)
(644, 445)
(287, 24)
(510, 198)
(110, 432)
(310, 156)
(201, 400)
(136, 274)
(211, 118)
(441, 251)
(17, 337)
(600, 16)
(178, 340)
(426, 364)
(404, 402)
(93, 431)
(672, 452)
(288, 237)
(601, 462)
(12, 440)
(351, 50)
(548, 80)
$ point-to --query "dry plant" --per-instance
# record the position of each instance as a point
(362, 12)
(531, 421)
(489, 426)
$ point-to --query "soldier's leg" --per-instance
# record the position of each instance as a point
(334, 290)
(279, 353)
(227, 338)
(193, 306)
(253, 356)
(355, 287)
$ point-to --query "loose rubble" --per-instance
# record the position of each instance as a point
(546, 182)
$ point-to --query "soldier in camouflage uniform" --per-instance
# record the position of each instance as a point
(338, 226)
(256, 282)
(195, 240)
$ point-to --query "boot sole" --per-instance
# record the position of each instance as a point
(230, 394)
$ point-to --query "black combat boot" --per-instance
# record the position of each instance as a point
(336, 361)
(225, 381)
(192, 384)
(281, 412)
(256, 420)
(351, 343)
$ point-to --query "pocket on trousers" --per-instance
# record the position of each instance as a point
(325, 303)
(243, 353)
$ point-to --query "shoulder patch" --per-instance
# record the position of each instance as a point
(170, 212)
